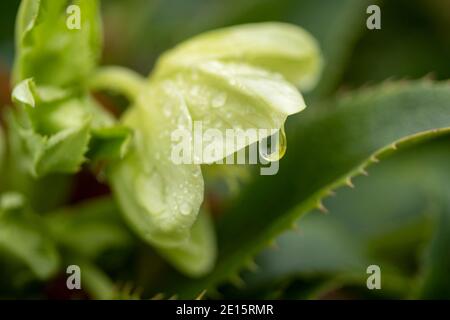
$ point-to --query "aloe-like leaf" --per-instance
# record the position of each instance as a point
(329, 148)
(277, 47)
(435, 285)
(50, 51)
(333, 250)
(319, 250)
(387, 219)
(23, 236)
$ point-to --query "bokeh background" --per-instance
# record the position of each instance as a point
(392, 218)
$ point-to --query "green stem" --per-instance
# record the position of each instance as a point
(118, 79)
(95, 281)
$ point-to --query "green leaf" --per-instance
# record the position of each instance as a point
(17, 164)
(276, 47)
(109, 143)
(51, 52)
(55, 126)
(329, 148)
(53, 66)
(434, 284)
(387, 219)
(90, 229)
(320, 247)
(23, 236)
(85, 233)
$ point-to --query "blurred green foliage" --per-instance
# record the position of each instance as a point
(398, 217)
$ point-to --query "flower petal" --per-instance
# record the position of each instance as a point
(224, 96)
(159, 198)
(274, 46)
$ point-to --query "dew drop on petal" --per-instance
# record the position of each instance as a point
(280, 149)
(185, 209)
(219, 100)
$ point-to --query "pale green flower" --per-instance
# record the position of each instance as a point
(236, 78)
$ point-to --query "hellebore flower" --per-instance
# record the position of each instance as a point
(235, 78)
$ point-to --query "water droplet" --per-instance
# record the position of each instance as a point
(273, 153)
(219, 100)
(185, 209)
